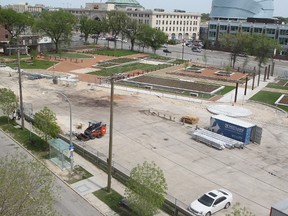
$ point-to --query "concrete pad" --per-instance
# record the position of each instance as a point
(232, 111)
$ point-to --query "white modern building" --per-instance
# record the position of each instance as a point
(241, 9)
(250, 16)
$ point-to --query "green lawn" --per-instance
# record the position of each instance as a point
(31, 141)
(225, 90)
(127, 68)
(268, 98)
(32, 64)
(121, 60)
(112, 200)
(112, 52)
(68, 55)
(13, 57)
(277, 86)
(158, 57)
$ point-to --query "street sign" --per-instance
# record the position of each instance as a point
(71, 148)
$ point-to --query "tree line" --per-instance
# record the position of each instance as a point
(260, 46)
(59, 25)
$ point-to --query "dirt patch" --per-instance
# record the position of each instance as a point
(284, 100)
(177, 84)
(211, 74)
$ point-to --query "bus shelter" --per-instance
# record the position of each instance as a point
(59, 153)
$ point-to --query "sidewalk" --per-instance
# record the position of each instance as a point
(86, 187)
(230, 96)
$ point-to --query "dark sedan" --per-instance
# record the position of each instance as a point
(166, 51)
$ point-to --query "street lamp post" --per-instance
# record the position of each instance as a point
(71, 146)
(183, 41)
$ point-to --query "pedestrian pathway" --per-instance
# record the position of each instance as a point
(230, 96)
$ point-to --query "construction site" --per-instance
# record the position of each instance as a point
(147, 127)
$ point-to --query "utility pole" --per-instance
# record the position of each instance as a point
(109, 160)
(20, 89)
(20, 82)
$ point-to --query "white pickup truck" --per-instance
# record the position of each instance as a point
(280, 208)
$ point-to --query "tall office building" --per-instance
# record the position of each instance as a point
(242, 9)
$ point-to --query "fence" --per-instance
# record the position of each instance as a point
(171, 205)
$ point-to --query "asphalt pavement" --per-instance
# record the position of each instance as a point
(69, 202)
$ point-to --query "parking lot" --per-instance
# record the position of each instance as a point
(256, 175)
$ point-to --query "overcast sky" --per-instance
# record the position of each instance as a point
(203, 6)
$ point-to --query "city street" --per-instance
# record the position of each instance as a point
(214, 58)
(68, 202)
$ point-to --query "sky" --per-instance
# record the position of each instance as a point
(203, 6)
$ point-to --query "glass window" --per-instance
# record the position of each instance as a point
(212, 26)
(257, 30)
(234, 28)
(206, 200)
(270, 31)
(283, 32)
(223, 27)
(245, 29)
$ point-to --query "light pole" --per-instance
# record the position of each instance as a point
(71, 146)
(183, 41)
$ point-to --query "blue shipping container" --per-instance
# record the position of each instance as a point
(232, 128)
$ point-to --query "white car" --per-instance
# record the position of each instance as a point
(211, 202)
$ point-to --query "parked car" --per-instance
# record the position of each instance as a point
(166, 51)
(110, 38)
(196, 49)
(94, 36)
(211, 202)
(242, 54)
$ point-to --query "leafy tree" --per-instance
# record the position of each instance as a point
(98, 27)
(116, 21)
(205, 17)
(157, 38)
(236, 44)
(237, 210)
(8, 101)
(25, 187)
(15, 23)
(262, 47)
(152, 37)
(146, 189)
(57, 25)
(132, 31)
(89, 26)
(143, 37)
(45, 124)
(86, 26)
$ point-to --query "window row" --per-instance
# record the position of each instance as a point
(267, 31)
(166, 29)
(177, 16)
(138, 15)
(174, 22)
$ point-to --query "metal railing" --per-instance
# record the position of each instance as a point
(171, 206)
